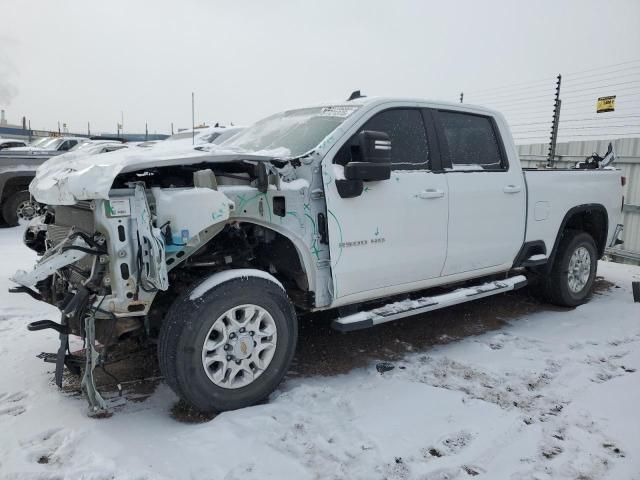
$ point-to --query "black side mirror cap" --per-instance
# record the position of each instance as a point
(375, 147)
(373, 161)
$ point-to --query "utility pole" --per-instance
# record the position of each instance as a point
(58, 127)
(146, 131)
(554, 125)
(122, 122)
(88, 129)
(171, 128)
(193, 119)
(29, 131)
(461, 96)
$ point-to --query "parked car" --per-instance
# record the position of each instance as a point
(17, 205)
(11, 143)
(52, 144)
(356, 207)
(199, 136)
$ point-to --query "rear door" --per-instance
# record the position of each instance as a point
(487, 196)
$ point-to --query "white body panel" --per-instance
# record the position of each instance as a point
(389, 235)
(486, 219)
(551, 194)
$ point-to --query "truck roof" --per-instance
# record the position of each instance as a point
(375, 101)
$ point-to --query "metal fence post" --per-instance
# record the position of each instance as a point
(554, 125)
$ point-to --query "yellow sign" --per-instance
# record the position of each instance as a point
(606, 104)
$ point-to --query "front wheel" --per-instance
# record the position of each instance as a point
(574, 270)
(230, 347)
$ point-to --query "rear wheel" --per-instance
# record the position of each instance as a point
(574, 270)
(19, 208)
(231, 347)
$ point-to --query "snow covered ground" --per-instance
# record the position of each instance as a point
(552, 394)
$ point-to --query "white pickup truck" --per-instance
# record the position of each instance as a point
(359, 207)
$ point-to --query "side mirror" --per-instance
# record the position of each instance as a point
(373, 158)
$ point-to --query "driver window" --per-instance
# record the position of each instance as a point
(406, 130)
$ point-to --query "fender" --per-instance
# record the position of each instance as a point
(573, 211)
(7, 175)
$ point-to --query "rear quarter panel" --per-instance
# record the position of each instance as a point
(552, 193)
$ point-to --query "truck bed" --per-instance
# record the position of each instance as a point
(552, 193)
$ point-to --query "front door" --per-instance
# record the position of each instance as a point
(395, 233)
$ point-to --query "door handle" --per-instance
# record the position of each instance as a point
(512, 189)
(431, 193)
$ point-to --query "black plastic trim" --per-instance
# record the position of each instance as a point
(526, 251)
(578, 209)
(350, 327)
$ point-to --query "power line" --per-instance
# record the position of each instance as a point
(601, 119)
(517, 102)
(573, 83)
(637, 60)
(534, 90)
(506, 87)
(602, 86)
(594, 96)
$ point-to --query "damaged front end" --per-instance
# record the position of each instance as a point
(103, 261)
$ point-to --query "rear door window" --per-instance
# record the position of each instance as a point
(471, 141)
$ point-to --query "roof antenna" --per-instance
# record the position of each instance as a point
(355, 94)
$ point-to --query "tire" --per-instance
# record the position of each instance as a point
(572, 289)
(19, 207)
(191, 323)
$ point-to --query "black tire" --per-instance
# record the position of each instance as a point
(12, 205)
(556, 286)
(187, 326)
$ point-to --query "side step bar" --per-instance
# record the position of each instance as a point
(406, 308)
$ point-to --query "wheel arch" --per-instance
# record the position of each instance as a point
(591, 218)
(11, 182)
(303, 254)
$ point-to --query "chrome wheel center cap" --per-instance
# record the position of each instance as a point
(242, 346)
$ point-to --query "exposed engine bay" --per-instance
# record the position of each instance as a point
(108, 264)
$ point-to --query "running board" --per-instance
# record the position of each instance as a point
(406, 308)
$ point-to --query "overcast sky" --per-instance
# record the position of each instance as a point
(79, 60)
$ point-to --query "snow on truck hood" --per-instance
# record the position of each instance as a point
(61, 181)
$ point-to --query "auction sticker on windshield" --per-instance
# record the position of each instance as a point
(341, 111)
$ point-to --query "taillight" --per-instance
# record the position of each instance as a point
(623, 180)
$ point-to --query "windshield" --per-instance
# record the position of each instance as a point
(183, 135)
(291, 133)
(40, 141)
(224, 136)
(81, 146)
(50, 144)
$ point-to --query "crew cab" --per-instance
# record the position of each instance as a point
(359, 207)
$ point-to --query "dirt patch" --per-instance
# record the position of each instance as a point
(185, 413)
(324, 351)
